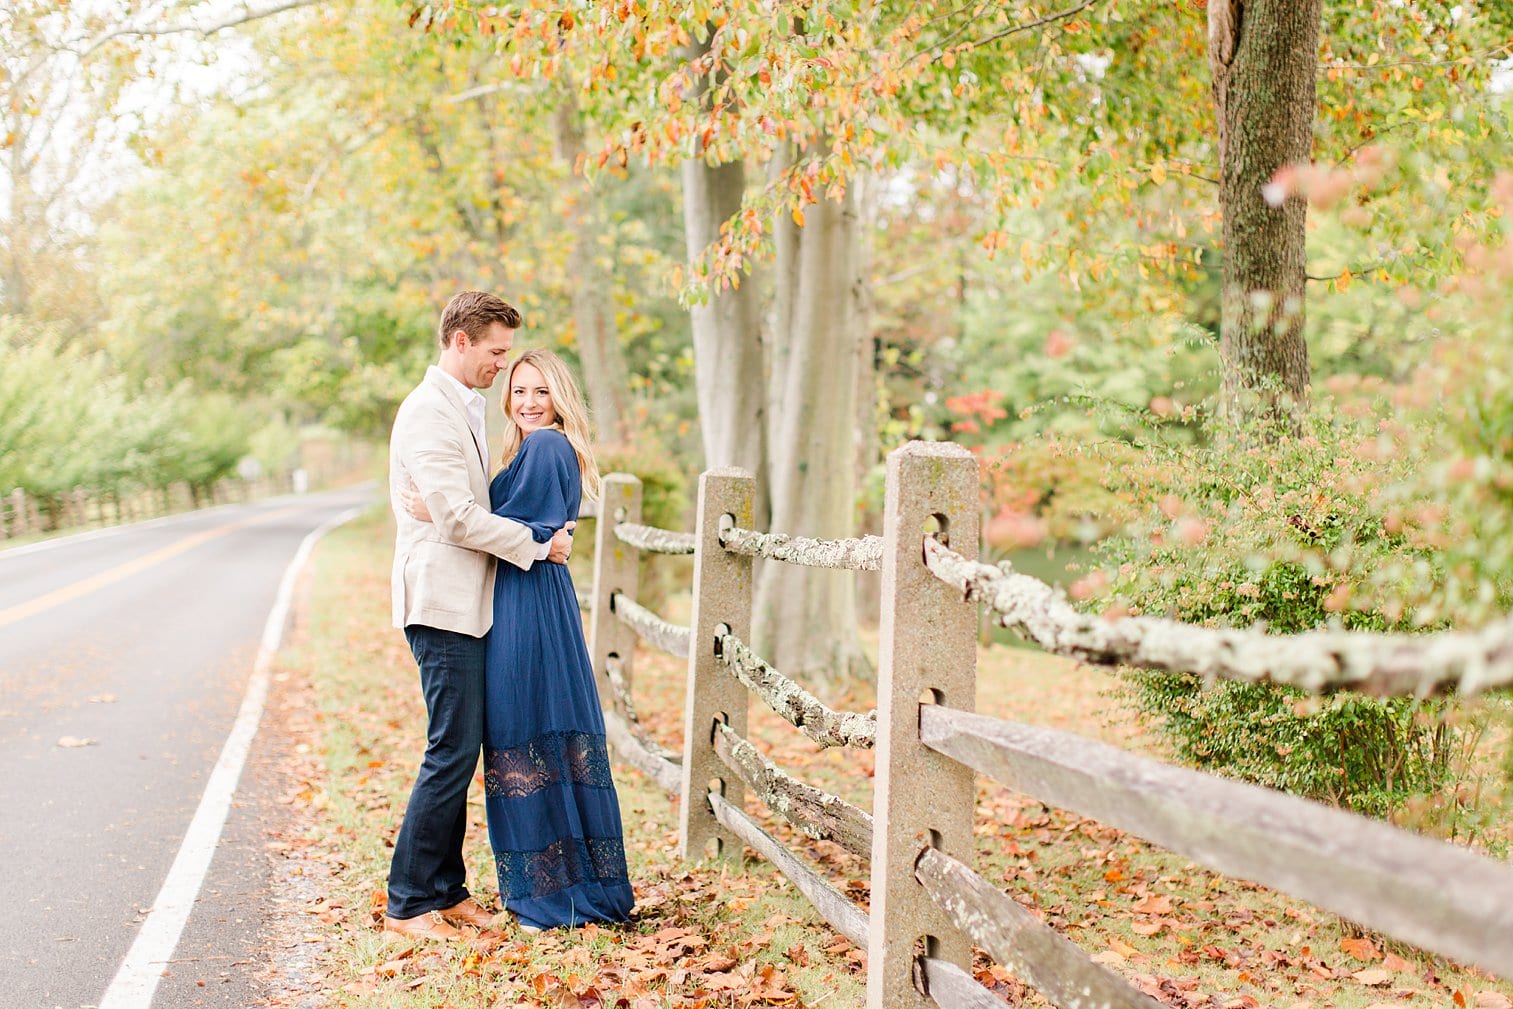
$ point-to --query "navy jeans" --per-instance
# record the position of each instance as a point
(428, 873)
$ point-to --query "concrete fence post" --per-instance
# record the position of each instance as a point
(721, 604)
(617, 568)
(927, 654)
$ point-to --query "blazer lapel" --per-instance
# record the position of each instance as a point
(435, 376)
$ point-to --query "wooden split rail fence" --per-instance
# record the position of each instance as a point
(22, 514)
(928, 906)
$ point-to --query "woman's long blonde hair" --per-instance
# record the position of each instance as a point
(572, 415)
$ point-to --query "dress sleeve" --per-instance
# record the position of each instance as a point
(537, 496)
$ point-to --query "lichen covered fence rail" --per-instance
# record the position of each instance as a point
(927, 905)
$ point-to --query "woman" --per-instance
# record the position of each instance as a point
(554, 818)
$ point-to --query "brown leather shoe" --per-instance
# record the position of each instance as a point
(430, 925)
(467, 912)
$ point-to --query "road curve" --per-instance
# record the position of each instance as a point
(124, 657)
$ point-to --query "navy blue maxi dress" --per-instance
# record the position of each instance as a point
(554, 819)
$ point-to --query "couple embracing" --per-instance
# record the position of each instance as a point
(482, 591)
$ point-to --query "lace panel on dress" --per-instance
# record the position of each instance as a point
(578, 757)
(560, 865)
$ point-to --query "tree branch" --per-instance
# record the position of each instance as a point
(245, 16)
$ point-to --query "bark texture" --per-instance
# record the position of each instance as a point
(1384, 665)
(1263, 55)
(855, 554)
(728, 357)
(806, 618)
(605, 375)
(803, 710)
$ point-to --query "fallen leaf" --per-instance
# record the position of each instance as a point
(1393, 962)
(1147, 927)
(1361, 948)
(1373, 976)
(1121, 947)
(75, 741)
(1492, 1000)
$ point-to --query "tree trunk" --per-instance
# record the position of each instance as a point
(605, 376)
(806, 617)
(1263, 55)
(869, 584)
(729, 369)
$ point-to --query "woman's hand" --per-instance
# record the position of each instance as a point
(412, 502)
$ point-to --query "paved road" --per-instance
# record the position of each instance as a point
(139, 640)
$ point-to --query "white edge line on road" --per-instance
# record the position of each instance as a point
(137, 979)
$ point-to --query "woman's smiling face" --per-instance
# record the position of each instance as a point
(530, 399)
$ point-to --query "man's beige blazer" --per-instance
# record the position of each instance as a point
(444, 569)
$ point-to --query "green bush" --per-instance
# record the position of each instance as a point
(1282, 536)
(72, 421)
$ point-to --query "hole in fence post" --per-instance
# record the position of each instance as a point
(613, 594)
(938, 526)
(717, 786)
(929, 695)
(727, 523)
(719, 636)
(620, 514)
(922, 949)
(720, 718)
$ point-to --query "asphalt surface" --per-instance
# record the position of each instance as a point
(124, 657)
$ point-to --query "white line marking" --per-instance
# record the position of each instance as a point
(137, 979)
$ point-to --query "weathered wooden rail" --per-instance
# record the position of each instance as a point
(928, 907)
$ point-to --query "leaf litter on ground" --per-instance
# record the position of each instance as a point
(715, 934)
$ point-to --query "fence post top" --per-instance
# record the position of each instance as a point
(929, 450)
(621, 478)
(725, 473)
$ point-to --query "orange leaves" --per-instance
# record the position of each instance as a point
(1361, 948)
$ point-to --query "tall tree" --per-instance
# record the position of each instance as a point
(67, 74)
(605, 375)
(1263, 55)
(729, 364)
(806, 618)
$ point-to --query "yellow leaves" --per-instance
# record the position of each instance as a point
(1158, 173)
(798, 216)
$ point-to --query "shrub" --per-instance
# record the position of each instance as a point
(1284, 536)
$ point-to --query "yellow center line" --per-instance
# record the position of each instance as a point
(80, 588)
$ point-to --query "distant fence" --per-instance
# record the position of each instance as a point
(928, 906)
(22, 514)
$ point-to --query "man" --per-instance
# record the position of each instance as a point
(443, 588)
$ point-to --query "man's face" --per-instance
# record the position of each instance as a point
(483, 358)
